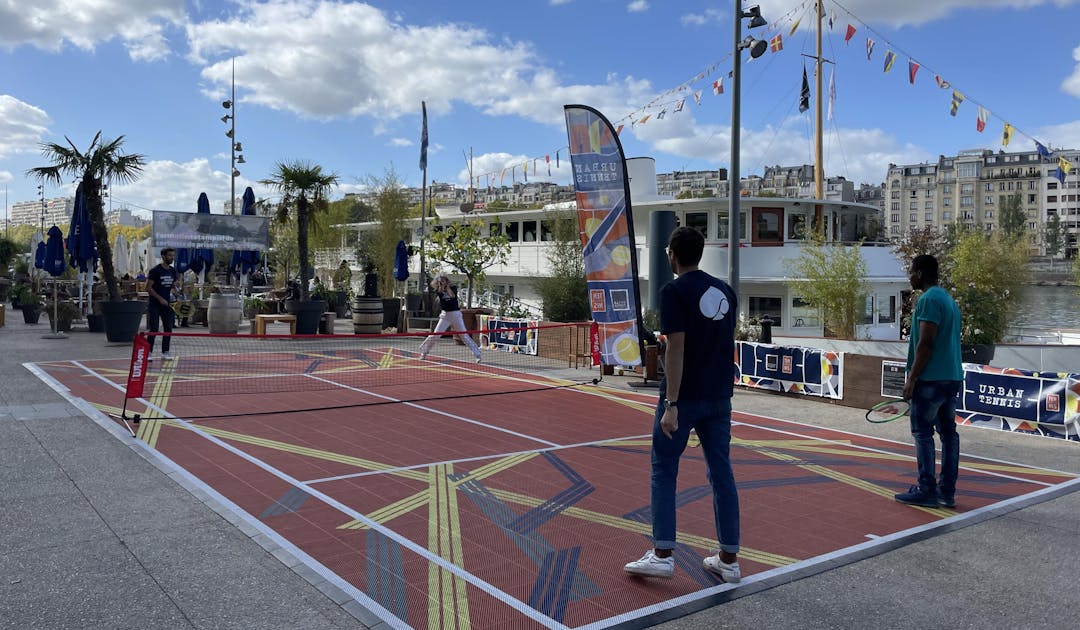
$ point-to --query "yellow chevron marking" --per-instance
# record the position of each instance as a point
(447, 593)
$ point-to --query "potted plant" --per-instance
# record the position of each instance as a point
(24, 298)
(102, 160)
(64, 312)
(253, 305)
(8, 251)
(304, 188)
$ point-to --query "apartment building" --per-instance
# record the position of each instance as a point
(970, 188)
(56, 211)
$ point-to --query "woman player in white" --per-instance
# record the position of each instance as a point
(450, 318)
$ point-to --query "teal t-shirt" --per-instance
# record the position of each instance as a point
(937, 306)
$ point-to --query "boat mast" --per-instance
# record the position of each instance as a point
(819, 176)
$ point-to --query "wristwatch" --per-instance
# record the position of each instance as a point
(668, 403)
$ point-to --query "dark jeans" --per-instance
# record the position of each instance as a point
(156, 313)
(933, 408)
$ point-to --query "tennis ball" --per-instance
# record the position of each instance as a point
(620, 255)
(591, 225)
(626, 350)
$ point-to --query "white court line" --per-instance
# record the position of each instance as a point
(518, 605)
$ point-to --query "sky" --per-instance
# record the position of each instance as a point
(339, 84)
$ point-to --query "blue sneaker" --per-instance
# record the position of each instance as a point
(946, 500)
(917, 496)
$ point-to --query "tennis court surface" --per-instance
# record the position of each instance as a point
(443, 493)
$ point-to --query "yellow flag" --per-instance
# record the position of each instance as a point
(1006, 134)
(794, 27)
(1065, 165)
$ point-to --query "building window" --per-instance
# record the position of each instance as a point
(989, 214)
(803, 315)
(928, 217)
(528, 231)
(1031, 198)
(512, 229)
(967, 169)
(895, 194)
(699, 221)
(895, 217)
(990, 186)
(947, 189)
(967, 189)
(913, 217)
(1051, 185)
(1051, 199)
(946, 215)
(946, 202)
(929, 193)
(722, 225)
(894, 205)
(967, 201)
(886, 312)
(760, 306)
(914, 205)
(929, 205)
(547, 230)
(989, 200)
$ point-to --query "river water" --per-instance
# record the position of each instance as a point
(1048, 307)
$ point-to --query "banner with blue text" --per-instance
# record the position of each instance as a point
(1040, 403)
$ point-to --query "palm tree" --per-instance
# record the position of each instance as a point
(101, 160)
(304, 187)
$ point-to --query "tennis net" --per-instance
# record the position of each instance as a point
(240, 375)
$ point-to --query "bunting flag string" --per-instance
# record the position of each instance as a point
(913, 69)
(869, 48)
(794, 27)
(890, 59)
(679, 105)
(718, 86)
(697, 97)
(804, 93)
(1006, 134)
(941, 83)
(957, 98)
(776, 44)
(1042, 150)
(832, 91)
(850, 33)
(980, 121)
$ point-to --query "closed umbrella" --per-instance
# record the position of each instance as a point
(245, 261)
(202, 259)
(82, 249)
(121, 256)
(401, 262)
(135, 262)
(54, 265)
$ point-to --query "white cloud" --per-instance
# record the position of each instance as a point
(6, 177)
(1065, 135)
(637, 6)
(22, 126)
(556, 3)
(910, 12)
(1071, 84)
(492, 165)
(48, 24)
(400, 142)
(708, 16)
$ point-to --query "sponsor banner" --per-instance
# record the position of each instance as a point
(807, 371)
(1041, 403)
(210, 231)
(605, 221)
(140, 355)
(507, 334)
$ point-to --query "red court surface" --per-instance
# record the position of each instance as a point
(519, 510)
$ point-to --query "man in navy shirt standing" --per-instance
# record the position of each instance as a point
(697, 314)
(159, 289)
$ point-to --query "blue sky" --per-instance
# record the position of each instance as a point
(340, 84)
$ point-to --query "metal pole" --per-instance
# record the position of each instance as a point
(733, 174)
(232, 146)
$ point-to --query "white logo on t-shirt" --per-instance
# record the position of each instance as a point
(714, 304)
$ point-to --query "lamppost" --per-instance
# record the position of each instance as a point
(41, 197)
(234, 146)
(757, 48)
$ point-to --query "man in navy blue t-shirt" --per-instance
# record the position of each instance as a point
(697, 315)
(160, 283)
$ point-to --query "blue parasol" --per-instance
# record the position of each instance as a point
(54, 263)
(401, 262)
(245, 261)
(202, 259)
(81, 247)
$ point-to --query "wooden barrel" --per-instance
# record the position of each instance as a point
(224, 313)
(367, 316)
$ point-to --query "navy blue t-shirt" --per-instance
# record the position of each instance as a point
(448, 301)
(162, 280)
(705, 309)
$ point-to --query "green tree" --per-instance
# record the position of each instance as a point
(470, 248)
(1054, 236)
(304, 188)
(1011, 218)
(832, 278)
(565, 294)
(102, 160)
(986, 273)
(925, 240)
(391, 210)
(283, 255)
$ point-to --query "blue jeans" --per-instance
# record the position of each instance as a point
(933, 407)
(712, 421)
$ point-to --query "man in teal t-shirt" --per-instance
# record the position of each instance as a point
(934, 376)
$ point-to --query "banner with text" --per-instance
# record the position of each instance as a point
(1041, 403)
(210, 231)
(807, 371)
(606, 226)
(508, 334)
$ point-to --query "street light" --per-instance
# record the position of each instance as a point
(234, 146)
(757, 48)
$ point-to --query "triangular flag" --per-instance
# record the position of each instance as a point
(912, 70)
(980, 121)
(697, 97)
(890, 59)
(830, 22)
(776, 44)
(804, 94)
(1060, 175)
(1043, 151)
(644, 119)
(850, 33)
(869, 48)
(794, 27)
(679, 105)
(957, 98)
(718, 86)
(557, 158)
(1065, 165)
(1006, 135)
(941, 83)
(547, 158)
(663, 112)
(832, 91)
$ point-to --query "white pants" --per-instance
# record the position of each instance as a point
(450, 320)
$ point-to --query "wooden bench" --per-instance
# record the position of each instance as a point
(262, 320)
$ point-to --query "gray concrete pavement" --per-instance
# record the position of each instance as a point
(93, 536)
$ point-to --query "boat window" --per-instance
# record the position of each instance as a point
(797, 227)
(528, 231)
(768, 226)
(886, 309)
(512, 229)
(803, 315)
(494, 229)
(722, 225)
(547, 230)
(699, 221)
(760, 306)
(868, 311)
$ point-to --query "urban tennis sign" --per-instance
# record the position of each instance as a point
(211, 231)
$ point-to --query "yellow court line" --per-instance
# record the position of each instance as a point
(447, 592)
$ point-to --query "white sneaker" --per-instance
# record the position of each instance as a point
(652, 565)
(478, 359)
(728, 572)
(166, 356)
(423, 356)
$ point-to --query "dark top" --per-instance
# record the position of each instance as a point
(448, 301)
(705, 309)
(162, 280)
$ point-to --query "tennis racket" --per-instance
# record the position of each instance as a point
(183, 308)
(887, 411)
